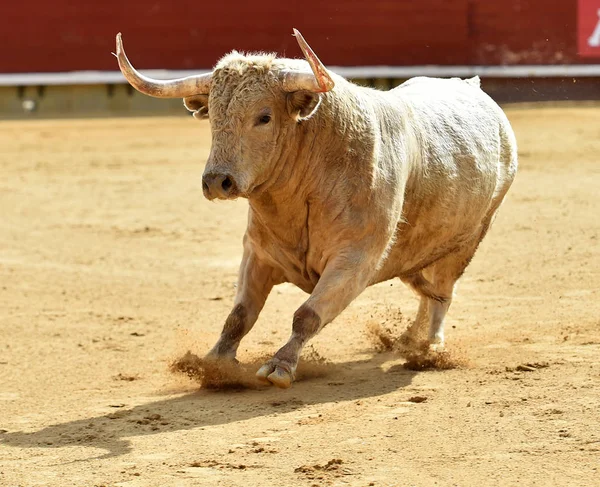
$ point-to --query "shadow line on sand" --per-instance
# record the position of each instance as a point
(347, 381)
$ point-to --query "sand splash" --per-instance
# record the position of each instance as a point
(413, 346)
(224, 374)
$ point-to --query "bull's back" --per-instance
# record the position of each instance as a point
(461, 163)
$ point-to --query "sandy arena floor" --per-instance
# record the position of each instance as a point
(112, 265)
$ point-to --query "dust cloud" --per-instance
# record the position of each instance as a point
(217, 374)
(413, 346)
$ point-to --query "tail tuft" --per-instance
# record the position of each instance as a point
(424, 288)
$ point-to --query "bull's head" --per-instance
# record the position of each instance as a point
(254, 104)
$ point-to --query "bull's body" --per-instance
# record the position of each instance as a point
(435, 159)
(349, 186)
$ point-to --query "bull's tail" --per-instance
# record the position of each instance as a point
(423, 287)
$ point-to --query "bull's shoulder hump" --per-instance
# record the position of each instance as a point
(426, 83)
(474, 81)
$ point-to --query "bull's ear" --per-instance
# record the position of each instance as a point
(198, 104)
(303, 104)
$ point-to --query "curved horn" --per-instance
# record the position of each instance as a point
(175, 88)
(319, 81)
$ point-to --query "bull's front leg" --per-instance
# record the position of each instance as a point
(343, 279)
(255, 281)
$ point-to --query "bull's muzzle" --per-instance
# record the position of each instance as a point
(218, 185)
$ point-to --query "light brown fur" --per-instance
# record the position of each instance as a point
(353, 187)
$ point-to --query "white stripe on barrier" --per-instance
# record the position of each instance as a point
(359, 72)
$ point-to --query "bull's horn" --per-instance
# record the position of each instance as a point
(174, 88)
(319, 81)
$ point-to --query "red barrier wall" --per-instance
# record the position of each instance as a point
(62, 35)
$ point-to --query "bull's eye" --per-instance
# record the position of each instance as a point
(264, 119)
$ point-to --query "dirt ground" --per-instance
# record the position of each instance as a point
(112, 265)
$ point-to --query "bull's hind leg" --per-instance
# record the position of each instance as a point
(446, 272)
(437, 315)
(436, 296)
(417, 331)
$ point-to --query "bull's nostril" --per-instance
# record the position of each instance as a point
(227, 184)
(204, 186)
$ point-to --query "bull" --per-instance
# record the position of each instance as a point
(347, 186)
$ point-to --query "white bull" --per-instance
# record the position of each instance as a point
(347, 186)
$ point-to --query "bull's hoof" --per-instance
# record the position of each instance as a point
(263, 373)
(276, 375)
(280, 378)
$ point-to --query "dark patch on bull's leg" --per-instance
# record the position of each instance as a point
(281, 369)
(306, 324)
(233, 331)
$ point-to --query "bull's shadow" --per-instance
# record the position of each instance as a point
(346, 381)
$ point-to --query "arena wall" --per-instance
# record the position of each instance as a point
(63, 35)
